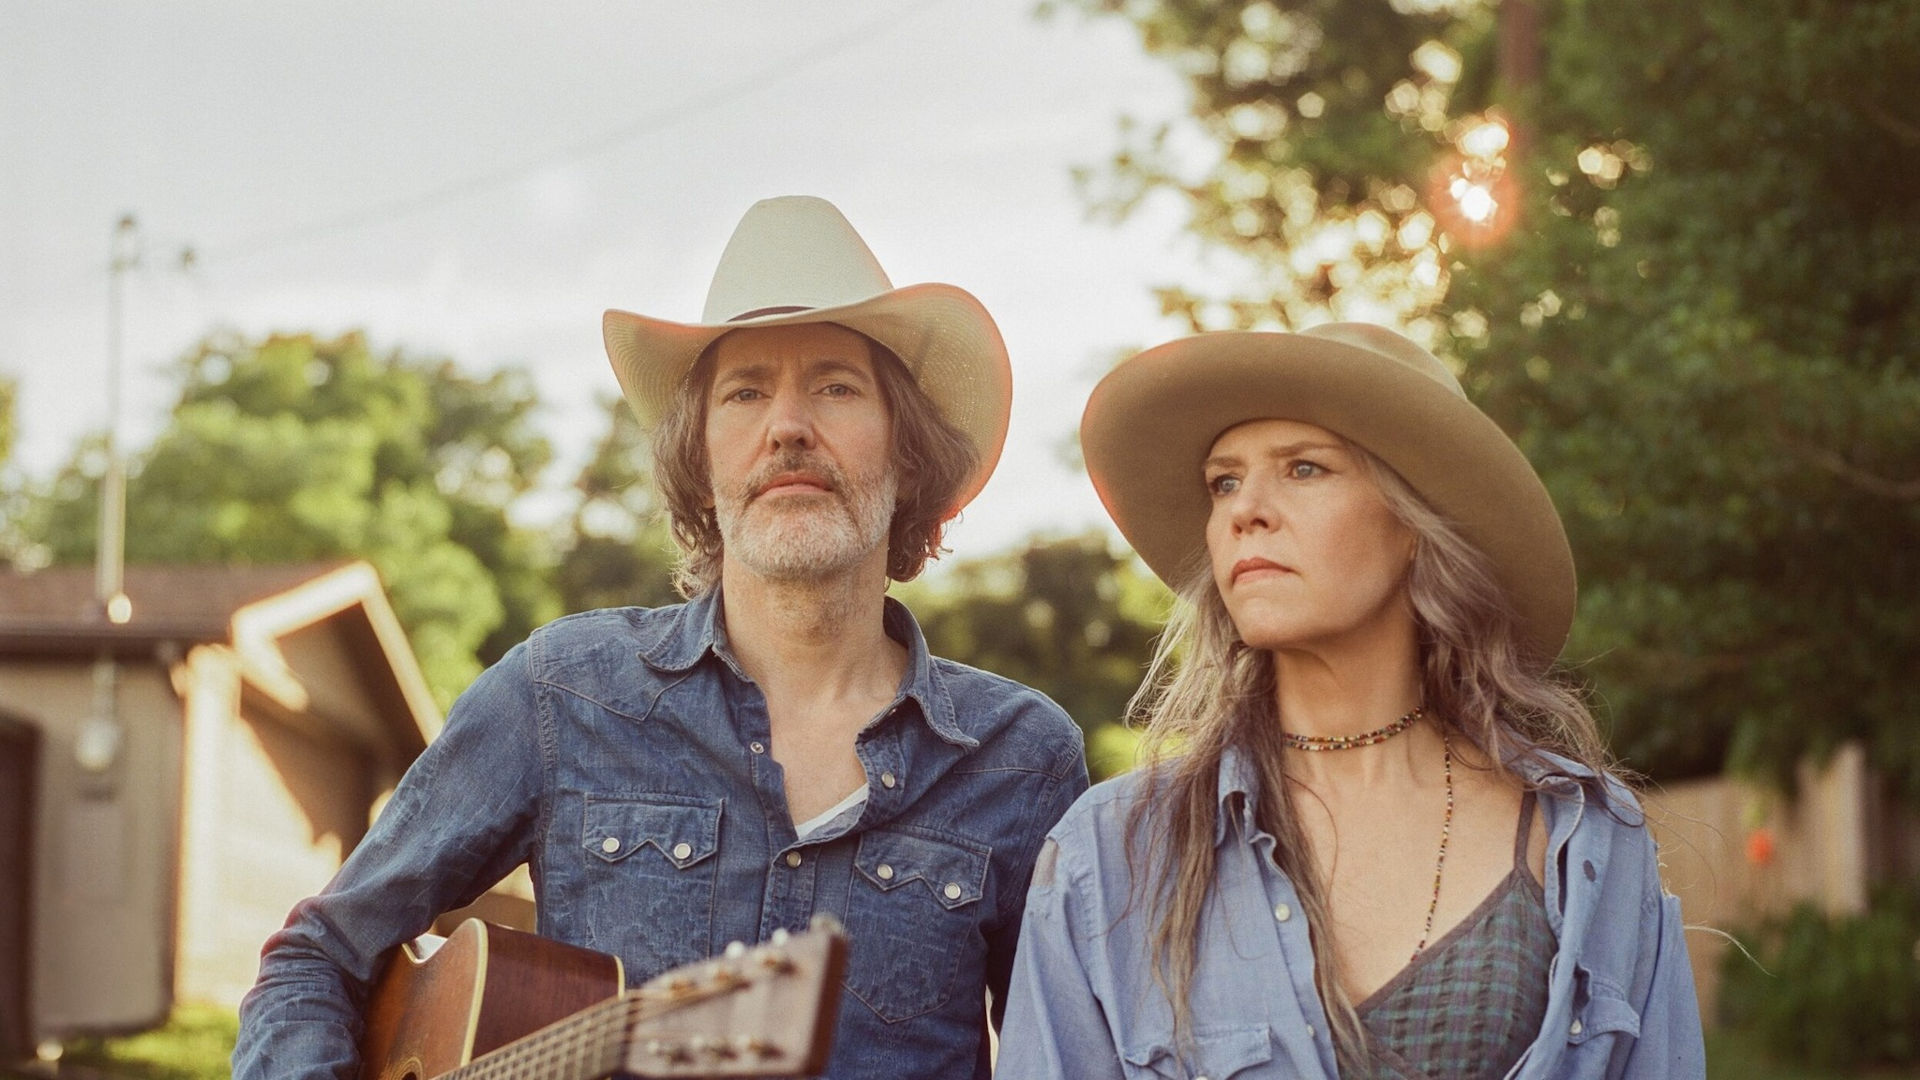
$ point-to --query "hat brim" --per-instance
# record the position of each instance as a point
(1151, 422)
(944, 336)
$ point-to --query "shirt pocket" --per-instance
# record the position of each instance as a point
(1214, 1053)
(912, 913)
(650, 879)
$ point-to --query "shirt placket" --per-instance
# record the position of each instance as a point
(1294, 941)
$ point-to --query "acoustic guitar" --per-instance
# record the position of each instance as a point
(496, 1003)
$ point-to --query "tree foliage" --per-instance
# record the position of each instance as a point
(619, 551)
(295, 448)
(1696, 308)
(1068, 617)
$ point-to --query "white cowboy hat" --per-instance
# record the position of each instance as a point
(796, 259)
(1152, 420)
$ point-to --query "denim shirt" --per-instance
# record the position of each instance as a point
(623, 755)
(1620, 998)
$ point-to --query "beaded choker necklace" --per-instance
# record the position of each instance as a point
(1348, 742)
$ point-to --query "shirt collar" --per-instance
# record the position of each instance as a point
(1238, 792)
(698, 628)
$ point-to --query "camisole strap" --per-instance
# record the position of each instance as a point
(1526, 832)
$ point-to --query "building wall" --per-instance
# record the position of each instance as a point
(104, 849)
(271, 812)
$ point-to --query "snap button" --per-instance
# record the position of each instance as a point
(610, 845)
(757, 747)
(885, 872)
(1283, 913)
(1574, 1028)
(681, 851)
(952, 891)
(793, 858)
(887, 780)
(1309, 1031)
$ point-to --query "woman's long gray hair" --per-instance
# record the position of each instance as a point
(1207, 691)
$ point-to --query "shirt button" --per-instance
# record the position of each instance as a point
(885, 872)
(1309, 1031)
(1283, 913)
(793, 858)
(610, 845)
(1574, 1028)
(681, 851)
(952, 891)
(757, 747)
(887, 780)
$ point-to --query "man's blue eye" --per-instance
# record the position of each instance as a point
(1224, 485)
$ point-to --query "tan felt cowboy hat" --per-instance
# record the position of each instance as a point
(796, 259)
(1151, 422)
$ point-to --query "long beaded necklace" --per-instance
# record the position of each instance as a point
(1446, 833)
(1380, 735)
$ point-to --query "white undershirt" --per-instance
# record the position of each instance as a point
(855, 799)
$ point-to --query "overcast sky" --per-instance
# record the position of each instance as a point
(483, 179)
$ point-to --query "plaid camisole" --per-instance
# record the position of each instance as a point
(1471, 1003)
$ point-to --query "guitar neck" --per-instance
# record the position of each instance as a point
(589, 1045)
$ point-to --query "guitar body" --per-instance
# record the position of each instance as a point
(483, 988)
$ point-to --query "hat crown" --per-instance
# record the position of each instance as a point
(1383, 342)
(789, 254)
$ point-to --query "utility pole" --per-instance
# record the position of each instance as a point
(97, 742)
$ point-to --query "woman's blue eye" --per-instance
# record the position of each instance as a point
(1304, 470)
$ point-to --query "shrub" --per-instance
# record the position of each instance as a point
(1838, 992)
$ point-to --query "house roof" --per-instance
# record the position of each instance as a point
(55, 608)
(253, 609)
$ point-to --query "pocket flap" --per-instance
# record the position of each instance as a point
(1599, 1007)
(954, 871)
(684, 830)
(1216, 1054)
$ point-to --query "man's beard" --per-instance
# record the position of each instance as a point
(799, 538)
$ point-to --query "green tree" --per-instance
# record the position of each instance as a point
(296, 448)
(1068, 617)
(1694, 304)
(618, 551)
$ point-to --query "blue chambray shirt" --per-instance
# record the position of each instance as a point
(1620, 998)
(637, 726)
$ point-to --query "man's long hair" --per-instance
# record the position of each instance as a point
(932, 461)
(1206, 691)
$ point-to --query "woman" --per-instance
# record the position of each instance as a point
(1373, 837)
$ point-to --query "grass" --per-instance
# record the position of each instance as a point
(193, 1045)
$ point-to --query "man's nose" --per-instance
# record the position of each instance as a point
(790, 422)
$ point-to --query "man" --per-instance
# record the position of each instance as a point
(782, 744)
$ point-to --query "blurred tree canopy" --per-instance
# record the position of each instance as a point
(1067, 617)
(296, 448)
(619, 550)
(1673, 248)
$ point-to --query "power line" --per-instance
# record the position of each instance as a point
(770, 75)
